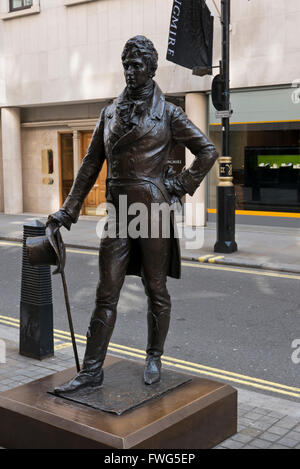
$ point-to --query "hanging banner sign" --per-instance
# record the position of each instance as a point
(190, 42)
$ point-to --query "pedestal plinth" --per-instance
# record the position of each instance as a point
(195, 414)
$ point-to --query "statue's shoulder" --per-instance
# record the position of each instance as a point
(108, 110)
(169, 108)
(173, 110)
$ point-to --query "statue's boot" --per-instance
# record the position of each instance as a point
(152, 369)
(158, 326)
(91, 374)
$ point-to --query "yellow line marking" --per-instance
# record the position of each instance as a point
(243, 271)
(71, 250)
(269, 214)
(182, 364)
(82, 251)
(211, 258)
(247, 383)
(204, 258)
(215, 375)
(258, 122)
(11, 319)
(10, 243)
(227, 269)
(82, 339)
(219, 371)
(68, 336)
(214, 259)
(62, 346)
(9, 323)
(231, 373)
(126, 352)
(204, 372)
(261, 214)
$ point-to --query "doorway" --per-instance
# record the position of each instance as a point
(96, 195)
(66, 164)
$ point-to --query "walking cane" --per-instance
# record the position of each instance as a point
(59, 247)
(61, 252)
(63, 277)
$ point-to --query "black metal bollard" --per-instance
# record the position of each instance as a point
(226, 209)
(36, 308)
(226, 221)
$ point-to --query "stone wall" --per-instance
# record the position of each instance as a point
(72, 53)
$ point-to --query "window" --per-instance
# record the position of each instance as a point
(19, 8)
(266, 165)
(265, 150)
(15, 5)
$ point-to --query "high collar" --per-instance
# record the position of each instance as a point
(157, 105)
(141, 94)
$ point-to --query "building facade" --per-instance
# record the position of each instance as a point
(60, 64)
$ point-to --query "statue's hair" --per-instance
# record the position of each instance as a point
(143, 47)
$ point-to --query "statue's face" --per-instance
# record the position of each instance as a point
(135, 71)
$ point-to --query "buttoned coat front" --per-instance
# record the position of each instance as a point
(142, 153)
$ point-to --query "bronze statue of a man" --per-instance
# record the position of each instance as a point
(135, 135)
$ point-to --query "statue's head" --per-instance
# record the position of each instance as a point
(139, 58)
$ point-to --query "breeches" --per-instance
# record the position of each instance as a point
(114, 258)
(116, 253)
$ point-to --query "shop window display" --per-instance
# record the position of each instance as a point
(266, 166)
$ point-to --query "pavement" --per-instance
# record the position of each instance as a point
(260, 247)
(264, 422)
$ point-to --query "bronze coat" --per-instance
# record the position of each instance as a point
(142, 154)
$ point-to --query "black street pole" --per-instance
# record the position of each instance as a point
(225, 190)
(225, 72)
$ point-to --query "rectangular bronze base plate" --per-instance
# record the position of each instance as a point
(124, 388)
(196, 415)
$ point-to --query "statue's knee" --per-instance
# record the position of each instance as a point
(158, 294)
(105, 314)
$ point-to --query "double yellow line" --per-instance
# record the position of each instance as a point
(201, 264)
(181, 365)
